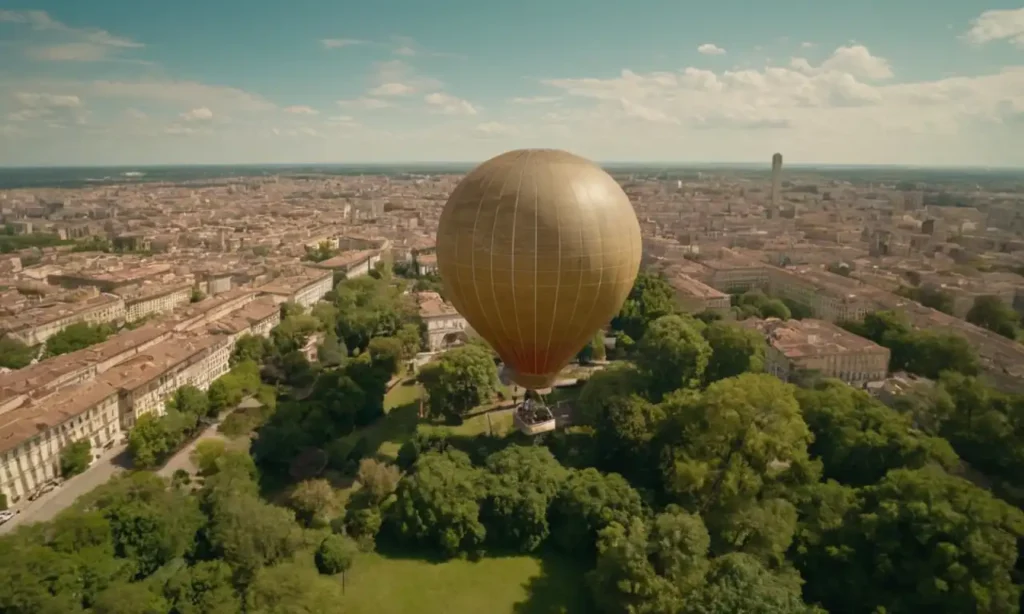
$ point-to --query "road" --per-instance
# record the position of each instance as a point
(113, 462)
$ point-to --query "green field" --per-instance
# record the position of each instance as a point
(514, 585)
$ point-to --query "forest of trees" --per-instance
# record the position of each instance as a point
(690, 483)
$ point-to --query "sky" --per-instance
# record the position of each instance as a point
(113, 82)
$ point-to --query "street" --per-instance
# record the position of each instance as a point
(113, 462)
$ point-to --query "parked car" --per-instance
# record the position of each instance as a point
(6, 515)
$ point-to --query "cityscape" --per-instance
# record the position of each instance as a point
(267, 383)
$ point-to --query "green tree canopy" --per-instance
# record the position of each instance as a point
(673, 354)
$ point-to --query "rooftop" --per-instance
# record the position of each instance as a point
(808, 338)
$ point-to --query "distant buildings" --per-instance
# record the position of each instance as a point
(796, 346)
(694, 296)
(445, 327)
(776, 193)
(36, 325)
(305, 287)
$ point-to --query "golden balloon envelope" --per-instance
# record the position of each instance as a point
(537, 249)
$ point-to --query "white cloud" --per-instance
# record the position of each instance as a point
(806, 45)
(998, 25)
(55, 109)
(496, 129)
(370, 104)
(397, 78)
(449, 105)
(197, 115)
(32, 99)
(299, 109)
(392, 89)
(135, 114)
(82, 44)
(338, 43)
(834, 105)
(536, 99)
(408, 47)
(857, 61)
(710, 49)
(189, 93)
(179, 130)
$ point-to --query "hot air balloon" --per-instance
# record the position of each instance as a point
(537, 249)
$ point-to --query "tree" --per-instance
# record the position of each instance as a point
(292, 588)
(734, 350)
(250, 347)
(522, 483)
(460, 380)
(125, 598)
(740, 583)
(335, 556)
(14, 354)
(673, 355)
(224, 394)
(206, 454)
(368, 308)
(190, 401)
(386, 353)
(331, 352)
(249, 534)
(727, 446)
(592, 351)
(437, 506)
(150, 441)
(992, 313)
(650, 570)
(378, 478)
(76, 337)
(313, 501)
(293, 332)
(650, 298)
(588, 502)
(75, 458)
(920, 541)
(859, 440)
(150, 523)
(202, 588)
(624, 580)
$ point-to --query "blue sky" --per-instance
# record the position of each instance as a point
(908, 82)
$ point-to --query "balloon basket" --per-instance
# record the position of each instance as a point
(533, 417)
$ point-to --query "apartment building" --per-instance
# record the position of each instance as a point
(694, 296)
(829, 296)
(36, 325)
(426, 264)
(305, 288)
(99, 406)
(256, 318)
(146, 380)
(108, 281)
(201, 314)
(445, 326)
(33, 435)
(352, 263)
(735, 275)
(822, 347)
(153, 299)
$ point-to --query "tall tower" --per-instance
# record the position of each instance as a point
(776, 180)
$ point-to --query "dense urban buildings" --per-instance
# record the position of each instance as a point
(179, 272)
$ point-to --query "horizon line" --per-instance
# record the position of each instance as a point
(670, 164)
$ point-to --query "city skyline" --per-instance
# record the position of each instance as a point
(263, 82)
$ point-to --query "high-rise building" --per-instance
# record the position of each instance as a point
(776, 182)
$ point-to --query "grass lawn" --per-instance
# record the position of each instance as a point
(401, 406)
(522, 585)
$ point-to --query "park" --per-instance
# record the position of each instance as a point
(683, 480)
